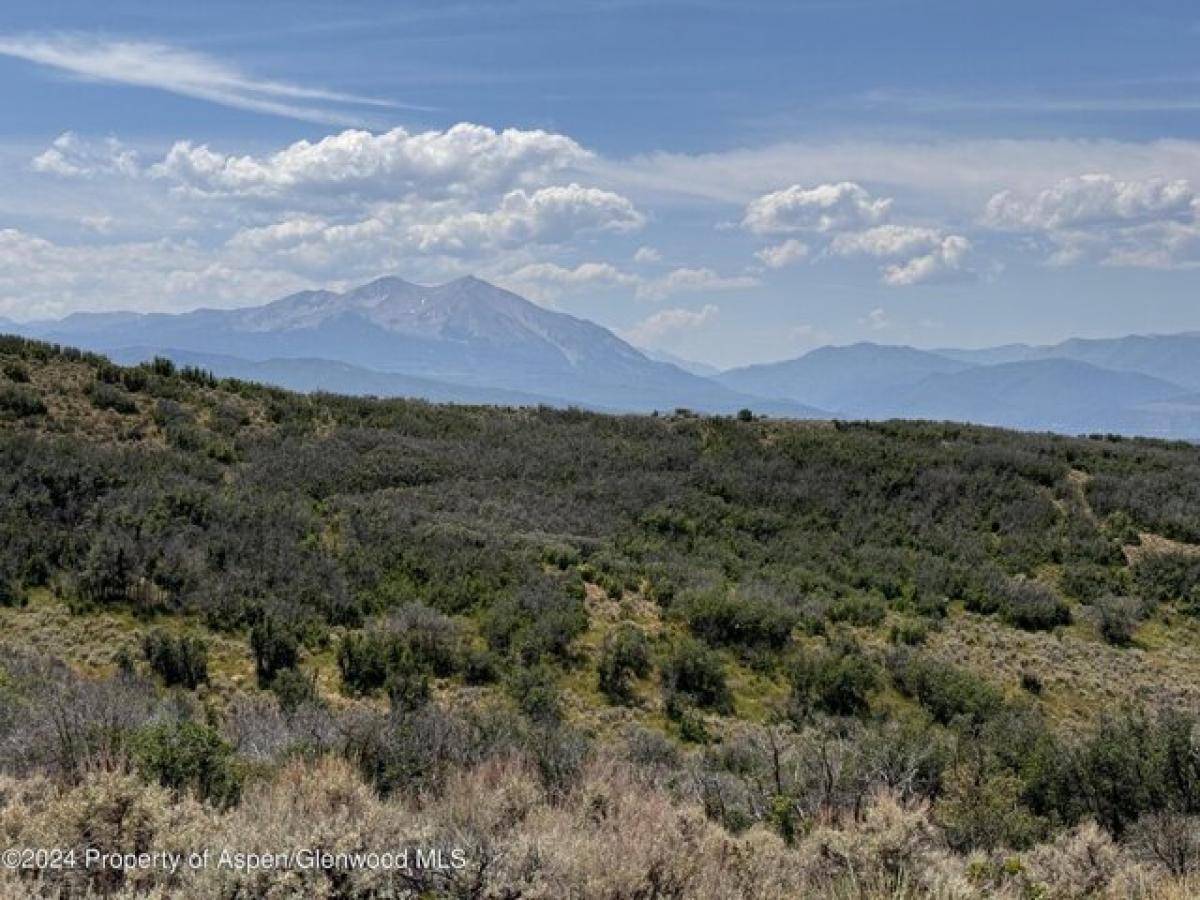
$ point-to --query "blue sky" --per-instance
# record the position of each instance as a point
(729, 181)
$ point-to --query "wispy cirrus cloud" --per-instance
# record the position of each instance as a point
(177, 70)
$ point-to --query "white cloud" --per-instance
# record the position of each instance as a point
(40, 278)
(393, 234)
(179, 71)
(958, 175)
(70, 157)
(284, 233)
(885, 240)
(650, 331)
(780, 255)
(647, 255)
(546, 281)
(100, 224)
(932, 256)
(462, 159)
(547, 216)
(944, 263)
(700, 280)
(877, 320)
(584, 273)
(1149, 223)
(826, 207)
(1092, 200)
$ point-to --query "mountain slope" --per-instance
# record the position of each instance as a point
(1172, 357)
(465, 332)
(846, 379)
(704, 370)
(1053, 394)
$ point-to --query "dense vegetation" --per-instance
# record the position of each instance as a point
(777, 623)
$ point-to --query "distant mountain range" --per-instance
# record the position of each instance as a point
(468, 341)
(465, 341)
(1077, 387)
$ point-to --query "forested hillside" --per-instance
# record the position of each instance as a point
(606, 656)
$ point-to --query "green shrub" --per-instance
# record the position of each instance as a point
(109, 396)
(413, 638)
(20, 401)
(408, 684)
(480, 666)
(1169, 578)
(837, 681)
(982, 810)
(909, 632)
(276, 646)
(364, 661)
(625, 655)
(162, 367)
(180, 661)
(1117, 619)
(294, 688)
(198, 376)
(536, 692)
(696, 672)
(540, 619)
(1130, 765)
(561, 556)
(946, 691)
(859, 609)
(12, 593)
(1087, 581)
(692, 727)
(1032, 606)
(187, 756)
(16, 371)
(135, 380)
(729, 618)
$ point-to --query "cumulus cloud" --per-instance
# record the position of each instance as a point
(284, 233)
(391, 233)
(176, 70)
(584, 273)
(70, 157)
(41, 278)
(547, 281)
(928, 254)
(650, 331)
(826, 207)
(780, 255)
(944, 263)
(647, 255)
(885, 240)
(1093, 200)
(548, 215)
(1152, 222)
(459, 160)
(687, 280)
